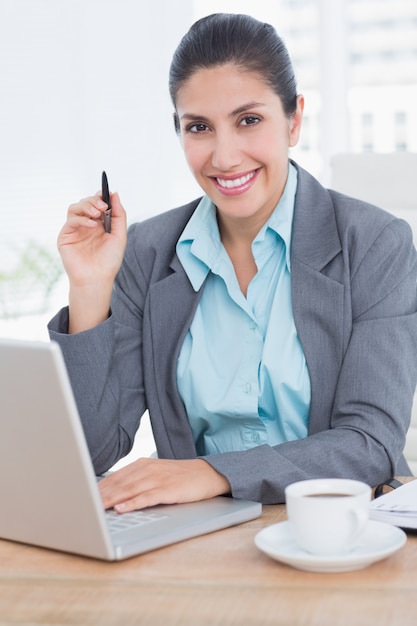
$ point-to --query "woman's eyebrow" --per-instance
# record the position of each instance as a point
(246, 107)
(241, 109)
(194, 118)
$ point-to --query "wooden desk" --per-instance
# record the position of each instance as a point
(219, 579)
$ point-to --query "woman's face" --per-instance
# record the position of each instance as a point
(236, 137)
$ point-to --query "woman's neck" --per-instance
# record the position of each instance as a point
(237, 240)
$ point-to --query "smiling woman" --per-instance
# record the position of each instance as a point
(238, 150)
(238, 154)
(269, 327)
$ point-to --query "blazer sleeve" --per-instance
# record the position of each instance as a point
(105, 369)
(107, 365)
(373, 397)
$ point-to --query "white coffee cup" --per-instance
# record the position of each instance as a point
(327, 516)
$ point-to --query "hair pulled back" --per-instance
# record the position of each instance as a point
(251, 45)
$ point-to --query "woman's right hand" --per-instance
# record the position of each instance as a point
(91, 258)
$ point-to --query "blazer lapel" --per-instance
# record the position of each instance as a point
(318, 299)
(172, 302)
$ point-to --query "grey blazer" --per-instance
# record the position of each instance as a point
(353, 271)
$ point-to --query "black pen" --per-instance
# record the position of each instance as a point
(105, 194)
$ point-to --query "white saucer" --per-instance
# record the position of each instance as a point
(379, 541)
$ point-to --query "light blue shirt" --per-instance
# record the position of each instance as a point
(241, 372)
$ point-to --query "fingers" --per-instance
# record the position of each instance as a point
(147, 482)
(119, 221)
(137, 486)
(93, 206)
(88, 213)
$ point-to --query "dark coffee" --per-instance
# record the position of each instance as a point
(328, 495)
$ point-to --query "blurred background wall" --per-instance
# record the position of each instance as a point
(84, 88)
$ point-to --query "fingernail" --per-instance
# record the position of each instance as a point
(120, 507)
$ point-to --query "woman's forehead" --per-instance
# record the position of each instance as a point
(220, 81)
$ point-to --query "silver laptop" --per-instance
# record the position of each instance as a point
(48, 491)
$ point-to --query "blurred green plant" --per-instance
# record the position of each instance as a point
(26, 289)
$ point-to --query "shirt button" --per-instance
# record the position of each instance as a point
(255, 437)
(247, 388)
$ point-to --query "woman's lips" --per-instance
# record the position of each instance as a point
(235, 185)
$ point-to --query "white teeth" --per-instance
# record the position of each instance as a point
(236, 182)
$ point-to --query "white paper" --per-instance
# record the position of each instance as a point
(398, 507)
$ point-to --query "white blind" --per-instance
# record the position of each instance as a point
(83, 88)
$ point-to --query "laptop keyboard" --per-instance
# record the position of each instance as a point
(117, 522)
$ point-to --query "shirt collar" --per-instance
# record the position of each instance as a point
(281, 219)
(199, 247)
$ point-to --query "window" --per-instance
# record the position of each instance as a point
(367, 132)
(400, 130)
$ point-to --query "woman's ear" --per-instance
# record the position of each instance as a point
(176, 122)
(296, 120)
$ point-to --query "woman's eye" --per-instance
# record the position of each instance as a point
(199, 127)
(249, 120)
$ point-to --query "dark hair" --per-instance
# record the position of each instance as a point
(240, 39)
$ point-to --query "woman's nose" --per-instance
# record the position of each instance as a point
(226, 153)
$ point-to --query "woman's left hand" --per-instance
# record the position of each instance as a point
(147, 482)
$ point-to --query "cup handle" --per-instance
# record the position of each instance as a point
(359, 520)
